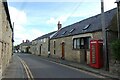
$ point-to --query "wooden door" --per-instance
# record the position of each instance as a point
(40, 50)
(63, 51)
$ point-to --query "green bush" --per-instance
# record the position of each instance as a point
(115, 46)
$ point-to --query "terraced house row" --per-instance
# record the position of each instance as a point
(72, 42)
(6, 37)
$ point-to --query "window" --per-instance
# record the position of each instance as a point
(54, 44)
(41, 40)
(86, 27)
(72, 30)
(56, 35)
(76, 43)
(81, 43)
(64, 32)
(54, 51)
(44, 39)
(85, 43)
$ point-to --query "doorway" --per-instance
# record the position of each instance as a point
(63, 51)
(40, 50)
(27, 49)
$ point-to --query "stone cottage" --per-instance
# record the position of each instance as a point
(6, 37)
(25, 46)
(33, 46)
(73, 41)
(41, 45)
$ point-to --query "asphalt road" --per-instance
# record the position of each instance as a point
(41, 68)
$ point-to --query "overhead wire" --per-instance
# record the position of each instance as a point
(74, 10)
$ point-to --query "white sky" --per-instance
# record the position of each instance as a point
(31, 23)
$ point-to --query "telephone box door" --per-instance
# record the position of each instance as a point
(96, 53)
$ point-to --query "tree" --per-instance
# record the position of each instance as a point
(115, 46)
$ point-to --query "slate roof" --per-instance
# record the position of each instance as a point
(87, 25)
(45, 36)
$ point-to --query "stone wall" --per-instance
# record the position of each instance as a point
(33, 47)
(44, 47)
(40, 47)
(114, 68)
(70, 53)
(5, 39)
(0, 39)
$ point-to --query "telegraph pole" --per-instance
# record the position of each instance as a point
(118, 17)
(105, 52)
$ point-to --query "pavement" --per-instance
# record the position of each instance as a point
(16, 70)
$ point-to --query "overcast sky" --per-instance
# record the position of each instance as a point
(34, 18)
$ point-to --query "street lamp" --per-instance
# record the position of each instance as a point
(118, 17)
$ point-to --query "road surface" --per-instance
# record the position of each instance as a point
(37, 67)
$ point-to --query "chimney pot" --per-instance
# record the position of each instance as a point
(59, 25)
(23, 41)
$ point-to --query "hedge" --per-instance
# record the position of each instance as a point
(115, 46)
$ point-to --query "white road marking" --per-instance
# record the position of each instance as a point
(27, 70)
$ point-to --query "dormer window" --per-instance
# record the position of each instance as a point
(56, 35)
(86, 27)
(72, 30)
(64, 32)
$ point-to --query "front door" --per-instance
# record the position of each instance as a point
(63, 50)
(27, 49)
(40, 50)
(85, 57)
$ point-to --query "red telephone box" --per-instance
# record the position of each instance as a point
(96, 53)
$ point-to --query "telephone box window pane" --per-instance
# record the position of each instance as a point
(93, 54)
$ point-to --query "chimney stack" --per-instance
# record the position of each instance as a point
(27, 41)
(59, 25)
(22, 41)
